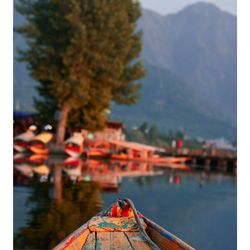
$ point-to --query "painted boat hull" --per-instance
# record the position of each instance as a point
(99, 153)
(19, 158)
(73, 151)
(38, 150)
(121, 232)
(20, 147)
(163, 238)
(72, 161)
(21, 141)
(37, 158)
(73, 146)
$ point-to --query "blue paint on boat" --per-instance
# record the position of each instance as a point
(168, 236)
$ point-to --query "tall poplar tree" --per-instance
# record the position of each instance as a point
(84, 54)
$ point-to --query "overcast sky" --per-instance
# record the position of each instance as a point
(171, 6)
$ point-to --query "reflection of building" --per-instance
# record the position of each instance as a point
(112, 131)
(101, 173)
(109, 176)
(107, 182)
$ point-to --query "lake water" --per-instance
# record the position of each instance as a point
(52, 197)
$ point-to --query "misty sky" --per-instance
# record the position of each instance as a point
(171, 6)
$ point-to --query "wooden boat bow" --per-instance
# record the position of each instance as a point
(121, 226)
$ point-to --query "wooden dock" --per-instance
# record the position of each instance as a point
(212, 157)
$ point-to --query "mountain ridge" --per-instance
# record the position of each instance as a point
(195, 48)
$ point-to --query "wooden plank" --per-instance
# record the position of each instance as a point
(90, 243)
(119, 241)
(137, 241)
(78, 242)
(75, 240)
(163, 238)
(103, 240)
(165, 243)
(161, 241)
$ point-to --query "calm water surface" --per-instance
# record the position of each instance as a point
(53, 197)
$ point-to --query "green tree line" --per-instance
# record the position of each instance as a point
(150, 134)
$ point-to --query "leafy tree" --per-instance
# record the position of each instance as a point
(84, 54)
(135, 135)
(152, 133)
(47, 107)
(180, 134)
(144, 127)
(92, 116)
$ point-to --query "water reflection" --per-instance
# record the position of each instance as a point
(58, 206)
(64, 193)
(107, 175)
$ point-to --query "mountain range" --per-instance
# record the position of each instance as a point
(191, 83)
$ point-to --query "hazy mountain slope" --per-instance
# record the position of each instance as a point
(166, 101)
(169, 7)
(199, 45)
